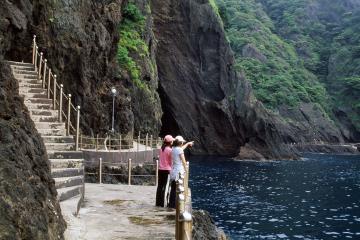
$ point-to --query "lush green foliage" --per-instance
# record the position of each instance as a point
(131, 42)
(301, 50)
(271, 64)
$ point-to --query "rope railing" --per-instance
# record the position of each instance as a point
(51, 84)
(102, 164)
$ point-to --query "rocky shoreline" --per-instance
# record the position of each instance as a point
(328, 148)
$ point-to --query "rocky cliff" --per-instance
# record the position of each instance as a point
(28, 205)
(202, 95)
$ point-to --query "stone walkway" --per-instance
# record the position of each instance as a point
(120, 212)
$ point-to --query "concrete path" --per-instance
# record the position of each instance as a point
(120, 212)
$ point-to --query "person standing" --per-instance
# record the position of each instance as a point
(165, 164)
(179, 165)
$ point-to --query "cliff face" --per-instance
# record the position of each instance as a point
(203, 97)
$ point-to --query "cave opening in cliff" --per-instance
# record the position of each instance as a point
(168, 123)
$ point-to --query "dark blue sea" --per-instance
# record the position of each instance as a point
(314, 198)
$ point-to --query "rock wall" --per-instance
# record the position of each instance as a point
(28, 205)
(203, 97)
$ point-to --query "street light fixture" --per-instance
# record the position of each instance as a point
(113, 92)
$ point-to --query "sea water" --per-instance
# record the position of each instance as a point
(314, 198)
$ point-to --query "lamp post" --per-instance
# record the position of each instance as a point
(113, 92)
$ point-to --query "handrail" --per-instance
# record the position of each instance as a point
(50, 83)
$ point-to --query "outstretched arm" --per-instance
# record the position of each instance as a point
(188, 144)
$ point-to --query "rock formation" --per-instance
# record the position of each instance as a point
(28, 205)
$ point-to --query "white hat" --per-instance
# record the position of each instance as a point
(180, 139)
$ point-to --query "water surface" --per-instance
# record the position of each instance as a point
(316, 198)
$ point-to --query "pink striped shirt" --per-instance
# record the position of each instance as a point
(165, 159)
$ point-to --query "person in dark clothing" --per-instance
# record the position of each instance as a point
(165, 164)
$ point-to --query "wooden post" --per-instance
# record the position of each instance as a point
(97, 142)
(60, 102)
(54, 92)
(120, 142)
(36, 57)
(185, 226)
(129, 172)
(109, 142)
(81, 141)
(34, 50)
(40, 65)
(157, 173)
(77, 128)
(179, 206)
(49, 83)
(44, 74)
(186, 182)
(100, 170)
(68, 116)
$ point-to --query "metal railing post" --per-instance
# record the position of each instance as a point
(146, 141)
(54, 91)
(100, 170)
(44, 74)
(186, 181)
(34, 50)
(77, 128)
(49, 84)
(68, 116)
(60, 102)
(36, 53)
(157, 173)
(129, 172)
(97, 141)
(40, 65)
(120, 142)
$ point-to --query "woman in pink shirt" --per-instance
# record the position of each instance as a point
(165, 164)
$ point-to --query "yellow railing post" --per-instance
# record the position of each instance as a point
(54, 92)
(77, 128)
(68, 116)
(44, 74)
(129, 172)
(49, 83)
(36, 57)
(157, 173)
(60, 102)
(40, 65)
(34, 50)
(100, 170)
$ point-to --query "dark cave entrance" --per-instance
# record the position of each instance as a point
(168, 123)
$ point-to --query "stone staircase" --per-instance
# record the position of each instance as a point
(66, 164)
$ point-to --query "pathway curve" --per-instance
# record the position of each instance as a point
(120, 212)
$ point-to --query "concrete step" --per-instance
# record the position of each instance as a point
(22, 68)
(24, 72)
(65, 154)
(69, 192)
(51, 132)
(49, 125)
(58, 139)
(66, 163)
(26, 90)
(59, 146)
(30, 85)
(28, 81)
(39, 106)
(23, 64)
(68, 181)
(33, 95)
(39, 118)
(26, 77)
(66, 172)
(49, 113)
(38, 100)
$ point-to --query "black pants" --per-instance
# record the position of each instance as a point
(160, 192)
(172, 194)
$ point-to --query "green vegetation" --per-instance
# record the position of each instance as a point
(131, 43)
(298, 51)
